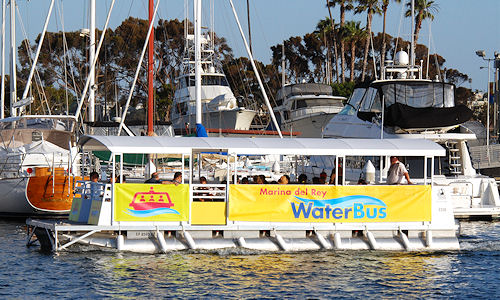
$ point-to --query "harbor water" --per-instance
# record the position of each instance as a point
(472, 272)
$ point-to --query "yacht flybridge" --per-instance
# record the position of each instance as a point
(404, 105)
(220, 108)
(307, 107)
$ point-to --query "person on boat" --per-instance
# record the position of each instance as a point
(259, 180)
(203, 180)
(322, 177)
(263, 178)
(94, 176)
(117, 179)
(244, 180)
(177, 179)
(285, 179)
(302, 178)
(155, 178)
(397, 171)
(332, 176)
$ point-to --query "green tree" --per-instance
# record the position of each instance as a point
(424, 9)
(353, 33)
(371, 7)
(384, 7)
(325, 32)
(345, 5)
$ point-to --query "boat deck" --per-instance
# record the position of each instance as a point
(57, 235)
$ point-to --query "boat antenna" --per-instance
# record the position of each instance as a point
(264, 94)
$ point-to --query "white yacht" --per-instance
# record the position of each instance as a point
(220, 108)
(307, 107)
(404, 105)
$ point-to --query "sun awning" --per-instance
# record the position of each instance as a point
(262, 146)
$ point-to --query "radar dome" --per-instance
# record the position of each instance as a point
(402, 58)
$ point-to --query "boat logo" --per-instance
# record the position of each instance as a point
(147, 204)
(342, 208)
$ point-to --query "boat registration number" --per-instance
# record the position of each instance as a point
(139, 234)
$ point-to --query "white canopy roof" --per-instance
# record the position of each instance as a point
(261, 146)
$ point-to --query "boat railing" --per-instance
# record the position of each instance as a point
(209, 192)
(89, 190)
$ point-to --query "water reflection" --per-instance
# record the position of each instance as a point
(240, 274)
(345, 274)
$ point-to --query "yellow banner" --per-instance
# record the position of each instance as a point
(151, 202)
(331, 204)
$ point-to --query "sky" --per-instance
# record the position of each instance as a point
(459, 29)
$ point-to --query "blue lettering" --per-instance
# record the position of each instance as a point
(327, 211)
(317, 212)
(346, 213)
(369, 215)
(337, 213)
(301, 209)
(358, 211)
(382, 213)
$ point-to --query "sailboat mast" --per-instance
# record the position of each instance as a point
(13, 89)
(2, 92)
(197, 58)
(91, 117)
(150, 70)
(412, 52)
(283, 76)
(249, 28)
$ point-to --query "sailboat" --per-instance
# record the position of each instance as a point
(38, 154)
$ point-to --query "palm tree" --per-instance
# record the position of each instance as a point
(352, 33)
(334, 42)
(425, 9)
(345, 5)
(323, 31)
(371, 7)
(385, 5)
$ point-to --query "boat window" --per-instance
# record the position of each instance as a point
(324, 102)
(353, 103)
(301, 103)
(369, 99)
(223, 81)
(419, 95)
(285, 115)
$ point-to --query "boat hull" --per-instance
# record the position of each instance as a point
(36, 196)
(239, 119)
(309, 126)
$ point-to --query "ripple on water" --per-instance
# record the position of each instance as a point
(469, 273)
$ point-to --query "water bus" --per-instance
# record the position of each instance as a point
(157, 218)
